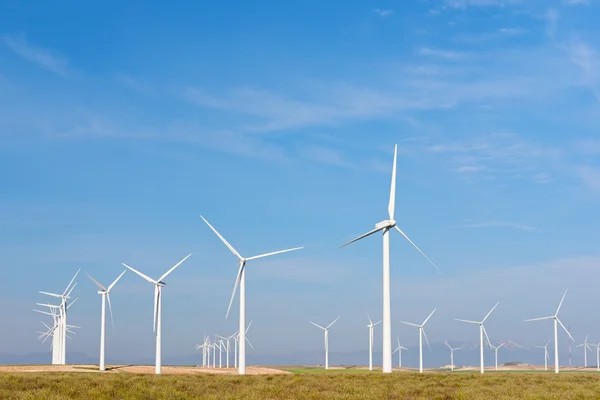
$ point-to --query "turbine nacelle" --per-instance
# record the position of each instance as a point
(161, 283)
(388, 223)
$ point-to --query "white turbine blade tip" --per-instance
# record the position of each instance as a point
(361, 237)
(418, 249)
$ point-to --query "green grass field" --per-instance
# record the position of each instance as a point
(331, 385)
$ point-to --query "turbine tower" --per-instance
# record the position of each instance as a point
(496, 352)
(452, 350)
(241, 281)
(556, 322)
(105, 293)
(157, 324)
(586, 347)
(371, 326)
(421, 334)
(386, 226)
(546, 356)
(326, 331)
(399, 350)
(482, 331)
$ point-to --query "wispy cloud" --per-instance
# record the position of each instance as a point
(135, 84)
(588, 60)
(445, 54)
(590, 176)
(500, 224)
(502, 33)
(576, 2)
(383, 13)
(480, 3)
(43, 57)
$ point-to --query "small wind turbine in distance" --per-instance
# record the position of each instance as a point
(597, 346)
(386, 226)
(556, 322)
(105, 293)
(241, 281)
(399, 350)
(157, 324)
(482, 331)
(546, 356)
(452, 350)
(421, 334)
(496, 352)
(326, 331)
(586, 347)
(371, 326)
(227, 347)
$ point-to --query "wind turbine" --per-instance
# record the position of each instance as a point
(452, 350)
(482, 331)
(586, 347)
(496, 352)
(326, 331)
(371, 326)
(105, 293)
(227, 348)
(386, 226)
(399, 350)
(421, 334)
(157, 324)
(556, 322)
(61, 328)
(597, 346)
(241, 281)
(546, 356)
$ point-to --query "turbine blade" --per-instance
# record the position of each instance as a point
(486, 336)
(538, 319)
(362, 236)
(173, 269)
(44, 312)
(502, 344)
(273, 253)
(110, 311)
(72, 279)
(378, 322)
(140, 274)
(466, 320)
(71, 290)
(448, 345)
(427, 319)
(51, 294)
(234, 251)
(329, 326)
(568, 333)
(71, 303)
(408, 323)
(561, 301)
(488, 314)
(250, 344)
(235, 286)
(403, 348)
(392, 203)
(96, 282)
(115, 281)
(317, 325)
(416, 247)
(370, 322)
(426, 340)
(248, 327)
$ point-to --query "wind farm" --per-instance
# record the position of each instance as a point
(322, 200)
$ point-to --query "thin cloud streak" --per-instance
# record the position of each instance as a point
(499, 224)
(18, 43)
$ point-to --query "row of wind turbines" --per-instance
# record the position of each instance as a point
(60, 328)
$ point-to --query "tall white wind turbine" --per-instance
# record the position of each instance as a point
(597, 346)
(496, 348)
(386, 226)
(421, 334)
(157, 324)
(326, 332)
(105, 293)
(482, 331)
(241, 281)
(452, 350)
(556, 322)
(586, 347)
(371, 326)
(546, 356)
(399, 350)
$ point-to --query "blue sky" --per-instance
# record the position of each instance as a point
(122, 123)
